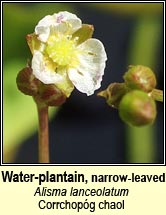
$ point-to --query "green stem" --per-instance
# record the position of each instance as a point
(142, 141)
(157, 95)
(43, 139)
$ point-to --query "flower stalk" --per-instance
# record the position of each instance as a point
(43, 131)
(157, 95)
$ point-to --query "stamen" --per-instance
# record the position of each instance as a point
(61, 49)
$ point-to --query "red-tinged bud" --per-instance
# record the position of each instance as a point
(141, 78)
(26, 82)
(137, 108)
(47, 94)
(51, 95)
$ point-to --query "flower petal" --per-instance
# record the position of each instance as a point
(41, 70)
(62, 22)
(92, 59)
(47, 75)
(73, 21)
(43, 27)
(83, 83)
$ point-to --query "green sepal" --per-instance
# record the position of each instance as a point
(84, 33)
(34, 43)
(114, 93)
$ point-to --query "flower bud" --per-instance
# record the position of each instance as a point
(47, 94)
(26, 82)
(51, 95)
(137, 108)
(141, 78)
(113, 94)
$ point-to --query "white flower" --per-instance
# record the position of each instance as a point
(61, 58)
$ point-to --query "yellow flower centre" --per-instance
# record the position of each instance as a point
(62, 50)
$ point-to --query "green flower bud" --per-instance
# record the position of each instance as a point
(141, 78)
(114, 93)
(137, 108)
(26, 82)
